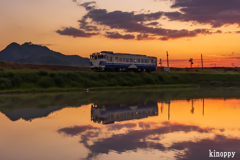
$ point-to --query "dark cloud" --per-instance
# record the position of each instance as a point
(88, 5)
(145, 125)
(116, 35)
(122, 20)
(237, 32)
(217, 13)
(139, 139)
(144, 36)
(174, 34)
(218, 31)
(142, 26)
(85, 26)
(73, 131)
(147, 17)
(70, 31)
(120, 126)
(200, 150)
(163, 38)
(129, 22)
(173, 15)
(136, 139)
(152, 24)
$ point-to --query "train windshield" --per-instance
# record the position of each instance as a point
(101, 57)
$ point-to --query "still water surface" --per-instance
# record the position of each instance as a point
(171, 125)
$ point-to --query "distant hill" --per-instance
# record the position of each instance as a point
(37, 54)
(30, 113)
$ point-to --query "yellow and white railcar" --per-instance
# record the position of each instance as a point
(109, 61)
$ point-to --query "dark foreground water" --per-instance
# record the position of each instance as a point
(134, 125)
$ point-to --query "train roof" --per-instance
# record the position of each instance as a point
(129, 54)
(110, 52)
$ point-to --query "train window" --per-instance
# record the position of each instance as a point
(107, 58)
(151, 60)
(120, 59)
(146, 60)
(128, 114)
(132, 114)
(135, 60)
(116, 59)
(100, 56)
(110, 59)
(91, 57)
(142, 60)
(123, 59)
(127, 59)
(117, 116)
(138, 60)
(95, 57)
(131, 60)
(121, 115)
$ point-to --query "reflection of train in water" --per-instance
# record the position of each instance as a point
(107, 114)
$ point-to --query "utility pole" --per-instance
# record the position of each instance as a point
(202, 61)
(191, 62)
(192, 111)
(167, 61)
(203, 107)
(160, 62)
(161, 107)
(168, 111)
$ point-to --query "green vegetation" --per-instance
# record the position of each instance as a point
(24, 80)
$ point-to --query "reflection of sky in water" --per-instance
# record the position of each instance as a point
(70, 134)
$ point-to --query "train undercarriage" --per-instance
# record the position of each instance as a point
(102, 69)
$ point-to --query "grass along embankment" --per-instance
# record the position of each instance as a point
(39, 80)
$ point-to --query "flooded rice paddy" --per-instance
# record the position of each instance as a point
(141, 124)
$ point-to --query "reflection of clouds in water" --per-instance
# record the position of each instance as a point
(144, 125)
(118, 126)
(76, 130)
(200, 150)
(149, 135)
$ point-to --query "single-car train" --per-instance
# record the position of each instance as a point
(109, 61)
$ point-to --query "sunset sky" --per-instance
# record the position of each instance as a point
(184, 28)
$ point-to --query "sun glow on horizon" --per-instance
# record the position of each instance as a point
(46, 22)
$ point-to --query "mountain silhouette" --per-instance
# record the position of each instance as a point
(30, 113)
(37, 54)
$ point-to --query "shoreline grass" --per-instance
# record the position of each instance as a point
(76, 99)
(39, 90)
(24, 81)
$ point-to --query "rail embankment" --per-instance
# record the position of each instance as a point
(40, 80)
